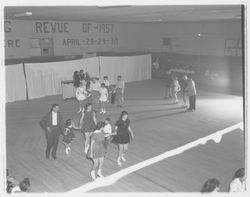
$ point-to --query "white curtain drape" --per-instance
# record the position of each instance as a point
(44, 79)
(131, 68)
(15, 83)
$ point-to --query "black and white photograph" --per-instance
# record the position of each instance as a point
(124, 98)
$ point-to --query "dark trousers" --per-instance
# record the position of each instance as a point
(192, 102)
(52, 141)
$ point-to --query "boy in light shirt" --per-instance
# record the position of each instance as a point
(108, 133)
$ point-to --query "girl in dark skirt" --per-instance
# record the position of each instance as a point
(122, 137)
(87, 124)
(68, 135)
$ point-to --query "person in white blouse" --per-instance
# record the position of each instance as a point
(238, 183)
(175, 87)
(108, 133)
(81, 95)
(103, 98)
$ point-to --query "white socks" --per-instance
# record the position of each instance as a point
(99, 173)
(123, 158)
(103, 111)
(119, 161)
(67, 150)
(93, 175)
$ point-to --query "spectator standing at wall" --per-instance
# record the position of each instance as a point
(156, 65)
(168, 93)
(175, 88)
(191, 93)
(119, 91)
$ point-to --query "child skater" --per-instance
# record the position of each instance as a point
(68, 135)
(103, 98)
(97, 151)
(122, 137)
(175, 89)
(81, 95)
(108, 133)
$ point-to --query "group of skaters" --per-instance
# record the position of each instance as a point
(97, 134)
(91, 94)
(185, 86)
(238, 183)
(91, 90)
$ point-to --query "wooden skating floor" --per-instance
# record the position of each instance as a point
(158, 125)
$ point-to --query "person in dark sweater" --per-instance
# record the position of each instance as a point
(191, 93)
(52, 123)
(168, 93)
(76, 79)
(183, 84)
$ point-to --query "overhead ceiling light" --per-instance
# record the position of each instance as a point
(23, 14)
(113, 6)
(154, 20)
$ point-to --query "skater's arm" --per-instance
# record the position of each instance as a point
(91, 147)
(81, 120)
(94, 118)
(131, 132)
(77, 93)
